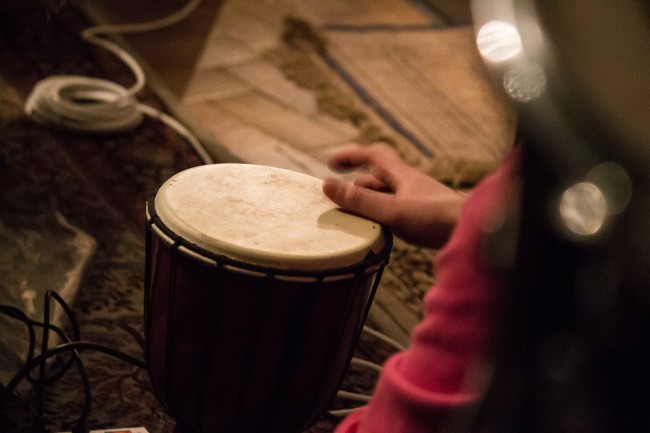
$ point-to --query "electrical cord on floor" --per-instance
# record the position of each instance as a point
(386, 339)
(72, 346)
(39, 362)
(358, 397)
(96, 105)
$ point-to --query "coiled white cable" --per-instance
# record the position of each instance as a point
(95, 105)
(83, 104)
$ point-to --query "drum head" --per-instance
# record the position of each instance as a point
(264, 216)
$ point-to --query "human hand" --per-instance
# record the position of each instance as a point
(416, 207)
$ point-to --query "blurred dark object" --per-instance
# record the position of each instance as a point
(15, 13)
(575, 355)
(45, 7)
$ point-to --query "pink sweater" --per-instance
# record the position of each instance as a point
(426, 387)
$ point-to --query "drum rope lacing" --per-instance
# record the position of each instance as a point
(96, 105)
(210, 258)
(221, 261)
(72, 345)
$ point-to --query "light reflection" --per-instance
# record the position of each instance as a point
(498, 41)
(616, 184)
(583, 208)
(524, 83)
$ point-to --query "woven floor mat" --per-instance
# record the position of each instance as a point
(428, 85)
(306, 78)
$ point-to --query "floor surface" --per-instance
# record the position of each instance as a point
(287, 83)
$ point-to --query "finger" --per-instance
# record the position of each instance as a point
(348, 159)
(375, 205)
(353, 158)
(382, 161)
(371, 182)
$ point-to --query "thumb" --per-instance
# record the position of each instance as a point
(362, 201)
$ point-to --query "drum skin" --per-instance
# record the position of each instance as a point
(240, 353)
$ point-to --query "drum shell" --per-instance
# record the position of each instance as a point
(229, 351)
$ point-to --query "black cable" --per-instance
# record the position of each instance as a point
(40, 411)
(40, 361)
(40, 389)
(76, 334)
(69, 347)
(75, 345)
(81, 423)
(41, 380)
(17, 314)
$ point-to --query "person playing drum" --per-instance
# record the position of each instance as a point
(421, 388)
(559, 342)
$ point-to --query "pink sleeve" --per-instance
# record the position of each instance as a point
(425, 387)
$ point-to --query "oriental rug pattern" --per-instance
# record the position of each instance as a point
(73, 213)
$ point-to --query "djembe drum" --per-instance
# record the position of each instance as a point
(257, 288)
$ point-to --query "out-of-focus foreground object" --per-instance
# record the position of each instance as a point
(574, 354)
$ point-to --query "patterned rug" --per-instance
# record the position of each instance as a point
(72, 217)
(307, 77)
(420, 88)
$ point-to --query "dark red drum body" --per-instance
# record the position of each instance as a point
(249, 338)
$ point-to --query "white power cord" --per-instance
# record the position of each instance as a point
(83, 104)
(364, 398)
(385, 338)
(95, 105)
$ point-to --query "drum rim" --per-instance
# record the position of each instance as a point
(372, 262)
(264, 215)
